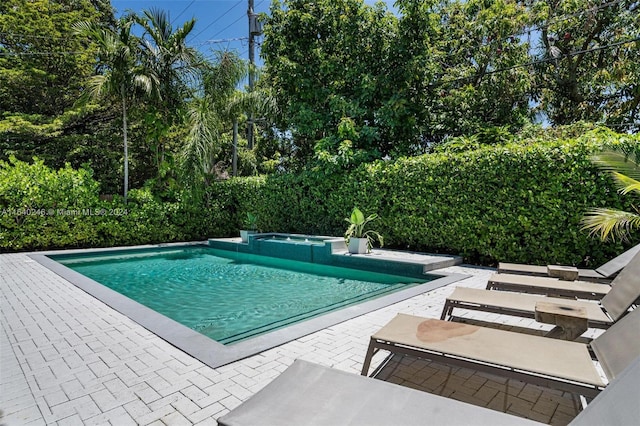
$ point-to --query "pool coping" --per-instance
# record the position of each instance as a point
(203, 348)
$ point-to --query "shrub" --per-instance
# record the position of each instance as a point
(41, 208)
(518, 201)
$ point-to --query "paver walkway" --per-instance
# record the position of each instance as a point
(66, 358)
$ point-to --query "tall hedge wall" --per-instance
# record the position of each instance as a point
(41, 208)
(520, 202)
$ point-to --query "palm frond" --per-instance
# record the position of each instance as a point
(621, 160)
(201, 145)
(223, 77)
(610, 223)
(626, 184)
(259, 102)
(98, 86)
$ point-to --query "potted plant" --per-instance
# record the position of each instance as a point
(360, 240)
(250, 227)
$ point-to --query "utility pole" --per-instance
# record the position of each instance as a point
(254, 29)
(234, 161)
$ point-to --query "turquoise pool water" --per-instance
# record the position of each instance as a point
(230, 296)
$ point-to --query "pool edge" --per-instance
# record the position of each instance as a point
(203, 348)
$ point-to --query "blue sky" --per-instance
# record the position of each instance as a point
(220, 24)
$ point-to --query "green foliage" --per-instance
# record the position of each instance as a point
(442, 69)
(622, 162)
(338, 152)
(36, 205)
(174, 71)
(487, 136)
(85, 135)
(519, 201)
(41, 208)
(43, 69)
(513, 201)
(587, 66)
(251, 222)
(325, 61)
(42, 63)
(123, 79)
(449, 54)
(210, 117)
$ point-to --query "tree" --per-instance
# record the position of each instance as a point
(326, 61)
(587, 62)
(120, 75)
(461, 61)
(396, 84)
(175, 66)
(208, 115)
(216, 111)
(42, 63)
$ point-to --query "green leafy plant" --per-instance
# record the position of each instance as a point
(357, 228)
(609, 223)
(251, 221)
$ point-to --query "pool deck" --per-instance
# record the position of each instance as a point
(66, 358)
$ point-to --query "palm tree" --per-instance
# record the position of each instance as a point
(208, 115)
(176, 66)
(217, 109)
(120, 75)
(165, 51)
(611, 223)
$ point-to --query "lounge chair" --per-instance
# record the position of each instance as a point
(538, 360)
(313, 395)
(604, 273)
(548, 286)
(625, 290)
(617, 404)
(308, 394)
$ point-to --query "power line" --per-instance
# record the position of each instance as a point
(540, 61)
(51, 53)
(217, 19)
(183, 11)
(223, 40)
(230, 25)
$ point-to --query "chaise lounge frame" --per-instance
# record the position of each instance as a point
(625, 291)
(547, 286)
(603, 274)
(538, 360)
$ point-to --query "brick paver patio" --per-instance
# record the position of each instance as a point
(66, 358)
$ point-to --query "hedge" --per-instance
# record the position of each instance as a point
(41, 208)
(520, 202)
(517, 202)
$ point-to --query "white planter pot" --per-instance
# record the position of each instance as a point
(244, 235)
(358, 246)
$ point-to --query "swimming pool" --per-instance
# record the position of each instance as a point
(210, 351)
(230, 297)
